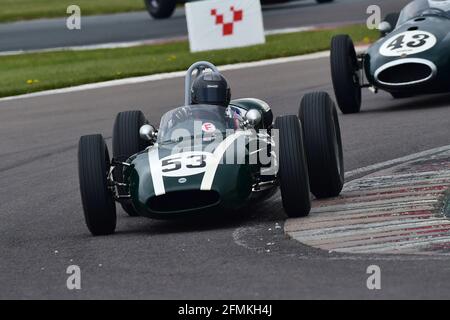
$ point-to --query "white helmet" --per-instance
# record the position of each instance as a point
(440, 4)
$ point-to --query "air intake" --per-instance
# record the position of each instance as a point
(405, 72)
(184, 201)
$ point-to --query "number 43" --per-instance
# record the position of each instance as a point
(420, 40)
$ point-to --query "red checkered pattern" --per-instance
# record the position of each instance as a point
(227, 27)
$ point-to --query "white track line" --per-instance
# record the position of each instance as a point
(110, 45)
(170, 75)
(390, 163)
(129, 44)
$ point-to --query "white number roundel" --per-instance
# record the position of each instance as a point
(408, 43)
(185, 164)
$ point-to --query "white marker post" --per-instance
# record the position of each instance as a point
(221, 24)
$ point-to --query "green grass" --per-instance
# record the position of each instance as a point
(41, 71)
(13, 10)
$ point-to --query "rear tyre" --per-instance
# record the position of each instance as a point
(323, 144)
(293, 170)
(345, 74)
(98, 202)
(161, 9)
(126, 142)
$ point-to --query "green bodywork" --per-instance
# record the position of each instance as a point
(439, 55)
(231, 187)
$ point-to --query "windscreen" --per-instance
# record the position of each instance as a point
(419, 8)
(197, 121)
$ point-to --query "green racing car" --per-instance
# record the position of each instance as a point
(211, 155)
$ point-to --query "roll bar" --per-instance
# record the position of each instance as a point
(199, 66)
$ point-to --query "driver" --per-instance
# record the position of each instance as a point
(211, 88)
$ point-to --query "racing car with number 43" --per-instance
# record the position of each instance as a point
(411, 58)
(211, 155)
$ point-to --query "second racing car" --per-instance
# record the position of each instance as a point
(412, 57)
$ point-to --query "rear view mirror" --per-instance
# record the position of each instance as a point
(384, 27)
(253, 117)
(147, 132)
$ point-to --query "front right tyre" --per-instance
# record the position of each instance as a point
(323, 144)
(292, 167)
(98, 202)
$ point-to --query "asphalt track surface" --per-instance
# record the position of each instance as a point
(50, 33)
(42, 229)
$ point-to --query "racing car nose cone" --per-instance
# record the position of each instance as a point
(406, 72)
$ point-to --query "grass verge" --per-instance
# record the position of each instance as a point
(14, 10)
(33, 72)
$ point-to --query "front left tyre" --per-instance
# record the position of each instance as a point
(345, 74)
(98, 202)
(292, 167)
(323, 144)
